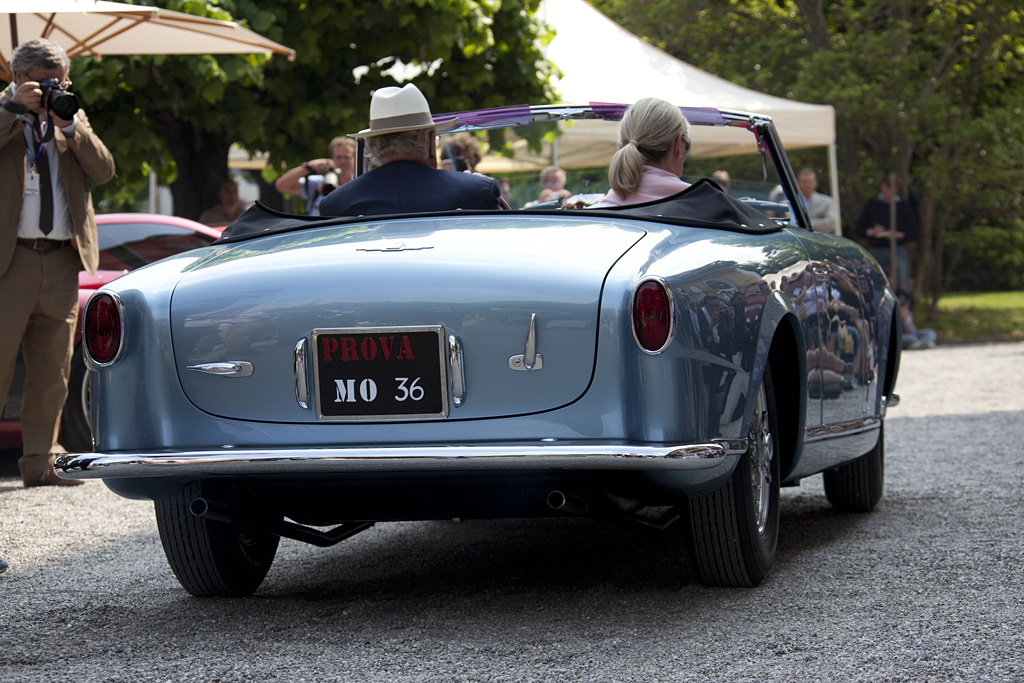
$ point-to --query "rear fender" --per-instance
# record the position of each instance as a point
(781, 346)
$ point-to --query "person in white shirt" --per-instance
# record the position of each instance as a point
(817, 205)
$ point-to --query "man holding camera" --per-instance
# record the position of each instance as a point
(315, 179)
(48, 155)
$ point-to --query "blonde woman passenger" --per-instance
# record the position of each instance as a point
(654, 139)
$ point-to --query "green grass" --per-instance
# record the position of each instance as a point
(981, 317)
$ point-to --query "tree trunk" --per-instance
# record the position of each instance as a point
(813, 12)
(202, 161)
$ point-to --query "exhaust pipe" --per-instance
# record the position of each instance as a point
(258, 523)
(567, 503)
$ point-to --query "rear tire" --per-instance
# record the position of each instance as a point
(211, 559)
(75, 428)
(735, 529)
(858, 485)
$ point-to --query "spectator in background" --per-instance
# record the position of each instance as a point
(654, 139)
(47, 235)
(402, 138)
(914, 338)
(552, 181)
(817, 205)
(227, 209)
(315, 179)
(873, 226)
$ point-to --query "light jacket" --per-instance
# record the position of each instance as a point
(82, 158)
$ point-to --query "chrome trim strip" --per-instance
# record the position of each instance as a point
(231, 368)
(301, 375)
(457, 369)
(231, 461)
(837, 429)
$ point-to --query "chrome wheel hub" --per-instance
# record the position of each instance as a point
(762, 449)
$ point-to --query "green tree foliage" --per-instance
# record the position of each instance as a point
(990, 259)
(180, 114)
(931, 89)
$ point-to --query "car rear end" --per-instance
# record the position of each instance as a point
(436, 347)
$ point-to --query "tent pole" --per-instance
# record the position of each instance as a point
(833, 173)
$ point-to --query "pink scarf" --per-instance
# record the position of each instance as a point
(655, 183)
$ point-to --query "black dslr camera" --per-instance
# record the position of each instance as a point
(57, 99)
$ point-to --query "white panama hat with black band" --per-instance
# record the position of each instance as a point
(396, 110)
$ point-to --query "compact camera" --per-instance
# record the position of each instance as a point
(57, 99)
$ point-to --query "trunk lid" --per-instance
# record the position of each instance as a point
(480, 278)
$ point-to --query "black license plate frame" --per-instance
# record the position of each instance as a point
(374, 374)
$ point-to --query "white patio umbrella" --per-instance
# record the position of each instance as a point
(96, 27)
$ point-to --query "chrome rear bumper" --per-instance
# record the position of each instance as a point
(553, 456)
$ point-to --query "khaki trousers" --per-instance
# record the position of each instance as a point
(38, 312)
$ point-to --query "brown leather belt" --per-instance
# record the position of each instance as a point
(43, 245)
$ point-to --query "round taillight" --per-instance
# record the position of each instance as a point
(102, 328)
(652, 316)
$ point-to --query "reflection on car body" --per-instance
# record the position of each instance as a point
(666, 363)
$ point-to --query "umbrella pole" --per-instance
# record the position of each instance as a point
(14, 30)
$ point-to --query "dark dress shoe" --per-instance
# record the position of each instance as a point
(3, 565)
(50, 478)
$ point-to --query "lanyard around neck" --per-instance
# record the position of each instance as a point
(39, 141)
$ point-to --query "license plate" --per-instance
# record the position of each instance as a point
(385, 373)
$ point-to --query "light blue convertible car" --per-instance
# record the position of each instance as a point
(671, 363)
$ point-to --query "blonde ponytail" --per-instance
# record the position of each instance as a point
(646, 133)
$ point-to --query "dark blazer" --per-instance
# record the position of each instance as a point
(410, 187)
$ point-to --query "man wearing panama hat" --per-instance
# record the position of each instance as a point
(401, 138)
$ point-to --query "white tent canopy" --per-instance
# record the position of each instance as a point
(602, 62)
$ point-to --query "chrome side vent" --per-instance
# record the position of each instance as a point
(301, 376)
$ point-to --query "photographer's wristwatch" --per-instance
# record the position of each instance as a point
(309, 169)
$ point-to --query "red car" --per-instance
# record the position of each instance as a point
(127, 241)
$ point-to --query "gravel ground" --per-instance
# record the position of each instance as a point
(929, 587)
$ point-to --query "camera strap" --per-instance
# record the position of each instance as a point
(46, 128)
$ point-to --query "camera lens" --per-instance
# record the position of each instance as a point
(57, 99)
(330, 182)
(63, 104)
